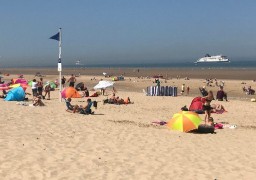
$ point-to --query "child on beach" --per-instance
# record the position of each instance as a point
(37, 101)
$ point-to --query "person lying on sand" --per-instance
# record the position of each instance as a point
(123, 101)
(118, 101)
(217, 108)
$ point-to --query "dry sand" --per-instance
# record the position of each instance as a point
(120, 141)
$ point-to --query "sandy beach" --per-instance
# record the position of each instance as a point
(120, 141)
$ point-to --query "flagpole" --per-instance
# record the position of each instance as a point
(59, 64)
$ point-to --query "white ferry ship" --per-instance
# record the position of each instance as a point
(208, 59)
(78, 63)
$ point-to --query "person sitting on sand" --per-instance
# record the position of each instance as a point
(84, 110)
(4, 94)
(37, 101)
(203, 91)
(251, 91)
(221, 95)
(85, 92)
(70, 107)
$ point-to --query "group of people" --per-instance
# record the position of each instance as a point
(183, 88)
(248, 90)
(211, 108)
(38, 88)
(220, 96)
(81, 109)
(117, 100)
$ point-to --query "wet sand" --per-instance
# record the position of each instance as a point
(197, 73)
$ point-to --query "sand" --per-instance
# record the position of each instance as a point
(120, 141)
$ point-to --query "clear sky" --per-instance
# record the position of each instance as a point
(125, 31)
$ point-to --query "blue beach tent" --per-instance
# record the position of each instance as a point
(15, 94)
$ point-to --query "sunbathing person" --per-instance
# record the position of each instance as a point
(123, 101)
(217, 108)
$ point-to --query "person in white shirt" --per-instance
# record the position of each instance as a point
(34, 87)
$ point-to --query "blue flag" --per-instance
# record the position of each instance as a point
(56, 37)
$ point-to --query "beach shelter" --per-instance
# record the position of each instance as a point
(70, 92)
(80, 86)
(197, 104)
(15, 94)
(184, 121)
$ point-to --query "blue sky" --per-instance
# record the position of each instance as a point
(125, 31)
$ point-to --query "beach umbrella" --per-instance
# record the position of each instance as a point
(4, 87)
(30, 83)
(52, 84)
(184, 121)
(24, 86)
(20, 80)
(103, 85)
(70, 92)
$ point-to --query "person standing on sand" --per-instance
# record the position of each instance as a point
(63, 81)
(34, 87)
(207, 106)
(188, 89)
(40, 85)
(47, 90)
(182, 89)
(72, 80)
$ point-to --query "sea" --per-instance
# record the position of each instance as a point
(189, 65)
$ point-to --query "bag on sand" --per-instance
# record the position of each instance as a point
(204, 128)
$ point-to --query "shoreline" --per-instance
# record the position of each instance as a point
(168, 73)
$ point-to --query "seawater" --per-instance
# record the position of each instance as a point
(189, 65)
(230, 65)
